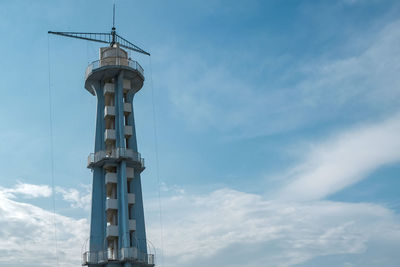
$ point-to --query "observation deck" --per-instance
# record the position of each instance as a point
(116, 155)
(111, 62)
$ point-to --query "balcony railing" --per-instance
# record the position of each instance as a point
(113, 61)
(125, 254)
(115, 154)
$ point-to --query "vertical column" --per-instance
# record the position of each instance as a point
(123, 226)
(139, 238)
(97, 224)
(131, 121)
(99, 140)
(119, 110)
(138, 214)
(124, 240)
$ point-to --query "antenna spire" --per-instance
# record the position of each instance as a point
(113, 15)
(113, 33)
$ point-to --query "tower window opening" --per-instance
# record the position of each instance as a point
(129, 186)
(111, 191)
(110, 123)
(127, 142)
(130, 211)
(112, 217)
(109, 147)
(109, 100)
(126, 120)
(110, 169)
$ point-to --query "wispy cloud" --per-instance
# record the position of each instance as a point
(224, 227)
(367, 78)
(27, 190)
(361, 83)
(232, 228)
(77, 198)
(344, 160)
(28, 238)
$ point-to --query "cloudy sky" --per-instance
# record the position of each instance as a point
(275, 123)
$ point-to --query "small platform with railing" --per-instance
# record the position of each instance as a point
(113, 61)
(115, 155)
(130, 254)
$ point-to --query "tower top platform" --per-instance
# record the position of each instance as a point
(112, 61)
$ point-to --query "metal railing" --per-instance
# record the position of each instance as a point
(124, 254)
(150, 259)
(113, 61)
(115, 154)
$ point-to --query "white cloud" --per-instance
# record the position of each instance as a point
(27, 190)
(27, 235)
(174, 188)
(78, 199)
(214, 95)
(367, 77)
(232, 228)
(221, 228)
(344, 160)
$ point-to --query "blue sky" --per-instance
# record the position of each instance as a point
(277, 129)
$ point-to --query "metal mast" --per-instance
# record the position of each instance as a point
(117, 228)
(110, 38)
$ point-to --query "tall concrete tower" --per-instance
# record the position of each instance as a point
(117, 228)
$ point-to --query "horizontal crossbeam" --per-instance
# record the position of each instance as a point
(106, 38)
